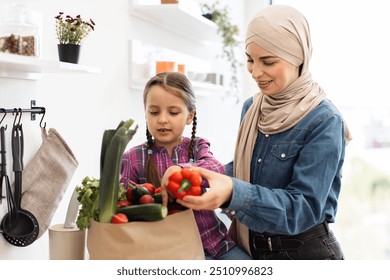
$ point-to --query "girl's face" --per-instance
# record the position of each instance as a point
(166, 116)
(271, 73)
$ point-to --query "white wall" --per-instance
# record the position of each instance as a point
(81, 106)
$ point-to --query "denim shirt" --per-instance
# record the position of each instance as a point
(295, 175)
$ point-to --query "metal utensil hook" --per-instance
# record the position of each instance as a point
(43, 116)
(18, 112)
(5, 114)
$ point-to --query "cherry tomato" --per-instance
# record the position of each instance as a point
(123, 203)
(149, 187)
(119, 218)
(146, 199)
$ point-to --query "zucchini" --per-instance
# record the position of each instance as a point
(145, 212)
(109, 177)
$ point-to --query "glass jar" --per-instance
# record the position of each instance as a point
(19, 32)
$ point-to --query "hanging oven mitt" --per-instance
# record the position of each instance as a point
(46, 177)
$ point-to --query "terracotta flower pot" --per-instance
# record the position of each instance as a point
(69, 53)
(165, 66)
(169, 1)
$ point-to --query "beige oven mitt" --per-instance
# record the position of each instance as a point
(46, 178)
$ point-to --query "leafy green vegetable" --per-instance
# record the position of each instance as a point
(88, 199)
(88, 193)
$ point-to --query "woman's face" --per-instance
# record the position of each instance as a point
(271, 73)
(166, 115)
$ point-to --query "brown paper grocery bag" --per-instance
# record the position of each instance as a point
(174, 238)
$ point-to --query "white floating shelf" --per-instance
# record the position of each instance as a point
(175, 18)
(32, 68)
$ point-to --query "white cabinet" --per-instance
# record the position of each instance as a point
(32, 68)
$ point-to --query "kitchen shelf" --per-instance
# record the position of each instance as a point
(200, 88)
(178, 19)
(143, 59)
(32, 68)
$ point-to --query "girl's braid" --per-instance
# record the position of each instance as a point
(149, 139)
(151, 173)
(192, 142)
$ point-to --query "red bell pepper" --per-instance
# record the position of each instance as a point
(185, 182)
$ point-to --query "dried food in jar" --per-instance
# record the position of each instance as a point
(17, 44)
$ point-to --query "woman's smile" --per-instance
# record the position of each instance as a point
(264, 84)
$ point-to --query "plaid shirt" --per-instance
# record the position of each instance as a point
(213, 232)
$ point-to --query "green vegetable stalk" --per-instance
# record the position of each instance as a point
(88, 193)
(98, 198)
(110, 171)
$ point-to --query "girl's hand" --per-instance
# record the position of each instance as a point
(220, 191)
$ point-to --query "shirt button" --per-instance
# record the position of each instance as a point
(259, 160)
(233, 212)
(283, 155)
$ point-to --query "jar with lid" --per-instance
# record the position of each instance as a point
(19, 32)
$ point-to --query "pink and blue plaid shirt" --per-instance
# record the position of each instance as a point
(213, 231)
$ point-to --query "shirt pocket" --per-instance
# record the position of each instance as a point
(286, 151)
(281, 164)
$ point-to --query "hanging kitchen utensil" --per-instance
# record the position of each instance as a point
(2, 166)
(3, 170)
(12, 217)
(26, 230)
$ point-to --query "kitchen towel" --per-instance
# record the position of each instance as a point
(46, 177)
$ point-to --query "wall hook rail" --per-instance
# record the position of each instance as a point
(33, 110)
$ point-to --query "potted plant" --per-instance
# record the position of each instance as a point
(71, 31)
(229, 32)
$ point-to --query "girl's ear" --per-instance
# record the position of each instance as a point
(190, 117)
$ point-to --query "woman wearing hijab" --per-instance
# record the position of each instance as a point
(286, 173)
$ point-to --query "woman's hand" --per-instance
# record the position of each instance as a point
(220, 191)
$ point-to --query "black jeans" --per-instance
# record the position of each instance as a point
(316, 244)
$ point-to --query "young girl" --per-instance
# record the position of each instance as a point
(169, 103)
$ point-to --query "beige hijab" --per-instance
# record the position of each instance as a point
(284, 32)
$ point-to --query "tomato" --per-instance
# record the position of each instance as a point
(123, 203)
(119, 218)
(146, 199)
(158, 190)
(129, 194)
(149, 187)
